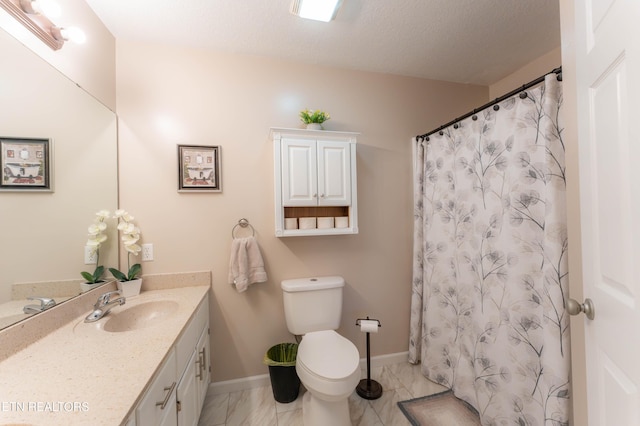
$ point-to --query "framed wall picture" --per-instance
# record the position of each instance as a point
(199, 168)
(27, 164)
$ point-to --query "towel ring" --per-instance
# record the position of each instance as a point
(243, 223)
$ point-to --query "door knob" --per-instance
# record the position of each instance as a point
(574, 308)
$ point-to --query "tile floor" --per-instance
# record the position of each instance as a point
(257, 406)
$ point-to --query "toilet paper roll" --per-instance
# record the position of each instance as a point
(291, 223)
(325, 222)
(342, 221)
(307, 222)
(368, 326)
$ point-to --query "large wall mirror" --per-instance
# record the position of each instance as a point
(43, 234)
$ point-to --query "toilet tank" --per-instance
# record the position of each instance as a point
(312, 304)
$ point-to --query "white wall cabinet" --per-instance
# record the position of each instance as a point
(315, 177)
(177, 392)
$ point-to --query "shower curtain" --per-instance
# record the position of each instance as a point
(488, 315)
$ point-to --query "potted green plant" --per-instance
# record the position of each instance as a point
(128, 283)
(97, 236)
(285, 382)
(314, 119)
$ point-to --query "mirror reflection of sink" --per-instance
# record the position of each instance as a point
(139, 316)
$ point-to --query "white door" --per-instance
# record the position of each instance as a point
(607, 69)
(299, 173)
(334, 173)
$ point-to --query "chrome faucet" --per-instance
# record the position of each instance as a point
(104, 305)
(45, 303)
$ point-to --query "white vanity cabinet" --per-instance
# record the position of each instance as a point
(315, 177)
(177, 392)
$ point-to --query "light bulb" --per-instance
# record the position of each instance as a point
(73, 34)
(48, 8)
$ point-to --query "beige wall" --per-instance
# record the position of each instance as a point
(529, 72)
(90, 65)
(168, 96)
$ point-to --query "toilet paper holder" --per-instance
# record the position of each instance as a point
(367, 388)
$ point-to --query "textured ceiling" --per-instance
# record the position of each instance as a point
(464, 41)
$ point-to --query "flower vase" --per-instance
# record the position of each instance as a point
(314, 126)
(130, 288)
(84, 287)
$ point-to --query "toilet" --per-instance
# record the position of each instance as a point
(327, 363)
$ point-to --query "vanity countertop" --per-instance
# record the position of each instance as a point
(83, 375)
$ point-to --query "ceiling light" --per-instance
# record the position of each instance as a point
(318, 10)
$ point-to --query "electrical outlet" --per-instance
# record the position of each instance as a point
(90, 255)
(147, 252)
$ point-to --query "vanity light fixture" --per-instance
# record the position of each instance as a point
(318, 10)
(33, 15)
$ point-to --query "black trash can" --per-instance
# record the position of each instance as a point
(285, 382)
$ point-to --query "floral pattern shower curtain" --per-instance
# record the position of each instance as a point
(488, 312)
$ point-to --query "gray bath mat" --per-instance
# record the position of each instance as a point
(440, 409)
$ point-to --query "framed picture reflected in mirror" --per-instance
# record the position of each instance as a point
(27, 164)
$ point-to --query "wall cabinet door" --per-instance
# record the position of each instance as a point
(299, 172)
(334, 175)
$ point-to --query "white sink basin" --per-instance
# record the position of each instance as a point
(139, 316)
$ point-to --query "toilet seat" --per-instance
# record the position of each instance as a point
(328, 356)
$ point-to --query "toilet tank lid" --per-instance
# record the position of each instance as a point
(313, 283)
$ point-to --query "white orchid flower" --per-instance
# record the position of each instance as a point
(133, 248)
(103, 214)
(130, 239)
(126, 227)
(97, 239)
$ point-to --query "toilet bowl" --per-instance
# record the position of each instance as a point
(328, 366)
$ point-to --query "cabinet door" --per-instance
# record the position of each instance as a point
(299, 173)
(202, 352)
(187, 394)
(158, 406)
(334, 174)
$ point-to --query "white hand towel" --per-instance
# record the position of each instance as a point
(246, 265)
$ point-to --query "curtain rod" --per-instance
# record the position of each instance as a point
(557, 71)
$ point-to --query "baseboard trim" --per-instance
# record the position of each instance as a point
(261, 380)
